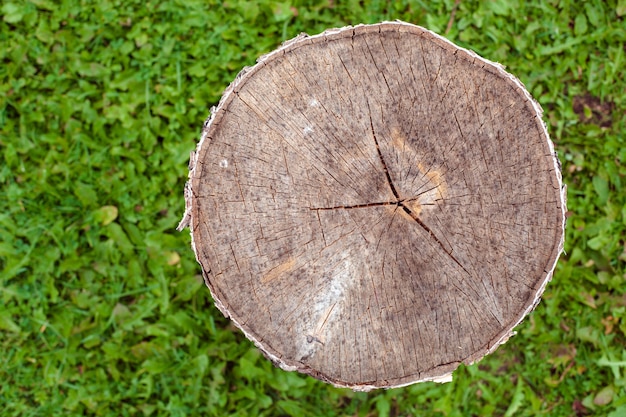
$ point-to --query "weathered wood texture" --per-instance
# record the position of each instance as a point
(374, 206)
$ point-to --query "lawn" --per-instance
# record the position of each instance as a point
(103, 311)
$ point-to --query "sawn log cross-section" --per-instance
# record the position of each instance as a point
(374, 206)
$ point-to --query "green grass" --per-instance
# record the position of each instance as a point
(102, 309)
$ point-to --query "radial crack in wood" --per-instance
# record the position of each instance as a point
(374, 206)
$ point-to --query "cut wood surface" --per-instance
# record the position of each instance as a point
(374, 206)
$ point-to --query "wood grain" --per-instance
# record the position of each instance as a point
(374, 206)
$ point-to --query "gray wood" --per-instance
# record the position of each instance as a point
(373, 205)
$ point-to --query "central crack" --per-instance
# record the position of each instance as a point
(400, 202)
(382, 161)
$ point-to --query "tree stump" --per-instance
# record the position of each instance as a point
(374, 206)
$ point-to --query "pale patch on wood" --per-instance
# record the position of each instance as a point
(397, 139)
(436, 186)
(326, 305)
(279, 271)
(318, 334)
(415, 206)
(434, 189)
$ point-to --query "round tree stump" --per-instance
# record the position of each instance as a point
(374, 206)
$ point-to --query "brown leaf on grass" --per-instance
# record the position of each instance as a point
(555, 382)
(144, 350)
(588, 300)
(120, 312)
(614, 301)
(579, 408)
(565, 353)
(604, 396)
(592, 110)
(609, 323)
(173, 258)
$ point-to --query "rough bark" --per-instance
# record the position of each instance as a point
(373, 205)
